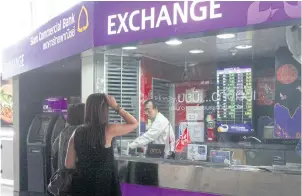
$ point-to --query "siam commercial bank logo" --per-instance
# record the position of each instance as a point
(82, 28)
(256, 16)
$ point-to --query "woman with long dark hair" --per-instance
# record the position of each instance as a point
(75, 118)
(90, 151)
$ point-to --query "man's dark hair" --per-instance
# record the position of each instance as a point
(153, 103)
(75, 114)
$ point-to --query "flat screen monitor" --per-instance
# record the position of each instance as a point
(234, 99)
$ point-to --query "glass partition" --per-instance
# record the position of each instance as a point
(230, 99)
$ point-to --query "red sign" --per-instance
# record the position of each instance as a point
(287, 74)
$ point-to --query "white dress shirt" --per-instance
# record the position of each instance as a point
(158, 133)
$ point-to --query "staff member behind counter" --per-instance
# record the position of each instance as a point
(160, 131)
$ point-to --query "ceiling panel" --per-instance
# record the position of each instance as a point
(264, 44)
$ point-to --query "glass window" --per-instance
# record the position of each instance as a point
(230, 99)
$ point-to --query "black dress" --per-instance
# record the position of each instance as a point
(96, 170)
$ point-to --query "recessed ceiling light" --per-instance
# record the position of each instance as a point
(174, 42)
(192, 64)
(242, 47)
(226, 36)
(129, 48)
(196, 51)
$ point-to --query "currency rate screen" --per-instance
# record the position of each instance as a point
(234, 99)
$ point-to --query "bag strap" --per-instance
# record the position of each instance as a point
(60, 139)
(76, 132)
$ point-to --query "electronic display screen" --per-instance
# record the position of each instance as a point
(234, 99)
(44, 126)
(55, 104)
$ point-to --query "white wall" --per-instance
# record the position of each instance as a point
(45, 10)
(20, 17)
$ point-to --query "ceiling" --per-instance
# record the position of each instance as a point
(70, 65)
(264, 42)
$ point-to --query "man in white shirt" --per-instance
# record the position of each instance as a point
(160, 131)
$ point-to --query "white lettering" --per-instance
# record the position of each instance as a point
(16, 62)
(34, 40)
(213, 7)
(122, 23)
(68, 21)
(202, 9)
(49, 32)
(163, 16)
(20, 60)
(111, 25)
(70, 33)
(148, 18)
(131, 25)
(181, 12)
(50, 37)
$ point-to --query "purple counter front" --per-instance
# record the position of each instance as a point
(139, 190)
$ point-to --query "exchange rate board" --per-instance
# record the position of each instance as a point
(234, 99)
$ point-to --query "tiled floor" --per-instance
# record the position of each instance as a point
(6, 190)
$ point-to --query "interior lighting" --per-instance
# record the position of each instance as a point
(173, 42)
(243, 47)
(226, 36)
(196, 51)
(129, 48)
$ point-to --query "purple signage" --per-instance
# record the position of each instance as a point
(67, 34)
(103, 23)
(127, 22)
(138, 190)
(235, 128)
(55, 104)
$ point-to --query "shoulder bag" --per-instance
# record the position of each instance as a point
(60, 182)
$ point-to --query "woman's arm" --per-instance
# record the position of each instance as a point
(123, 129)
(120, 129)
(70, 160)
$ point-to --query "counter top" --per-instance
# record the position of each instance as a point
(248, 145)
(272, 169)
(205, 177)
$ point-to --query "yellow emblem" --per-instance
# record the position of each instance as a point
(85, 27)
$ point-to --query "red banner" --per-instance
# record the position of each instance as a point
(183, 141)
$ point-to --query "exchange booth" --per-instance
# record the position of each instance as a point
(226, 75)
